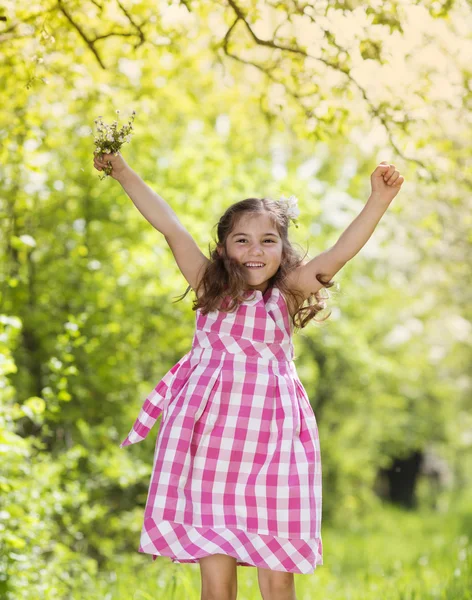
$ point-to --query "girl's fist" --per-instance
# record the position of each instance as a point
(386, 181)
(113, 164)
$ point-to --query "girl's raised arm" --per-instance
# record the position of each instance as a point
(162, 217)
(386, 182)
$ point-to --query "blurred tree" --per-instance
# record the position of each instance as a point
(232, 100)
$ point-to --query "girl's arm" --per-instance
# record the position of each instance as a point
(356, 235)
(188, 256)
(152, 206)
(386, 183)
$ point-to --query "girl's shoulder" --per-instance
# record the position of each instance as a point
(292, 304)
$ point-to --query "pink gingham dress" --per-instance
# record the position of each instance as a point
(237, 465)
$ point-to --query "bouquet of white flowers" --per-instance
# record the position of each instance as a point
(109, 138)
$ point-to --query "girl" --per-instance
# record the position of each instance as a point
(237, 469)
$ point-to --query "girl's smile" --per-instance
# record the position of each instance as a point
(256, 244)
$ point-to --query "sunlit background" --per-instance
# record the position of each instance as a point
(235, 99)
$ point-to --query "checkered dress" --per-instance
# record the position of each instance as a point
(237, 465)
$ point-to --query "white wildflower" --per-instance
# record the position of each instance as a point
(293, 211)
(291, 208)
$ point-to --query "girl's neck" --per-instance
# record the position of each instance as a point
(263, 291)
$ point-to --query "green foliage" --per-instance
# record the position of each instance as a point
(87, 323)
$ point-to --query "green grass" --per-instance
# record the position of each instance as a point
(393, 554)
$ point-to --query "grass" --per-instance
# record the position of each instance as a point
(393, 554)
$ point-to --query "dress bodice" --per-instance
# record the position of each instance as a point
(259, 327)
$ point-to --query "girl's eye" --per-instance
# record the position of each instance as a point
(243, 240)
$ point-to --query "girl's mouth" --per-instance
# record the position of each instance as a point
(254, 265)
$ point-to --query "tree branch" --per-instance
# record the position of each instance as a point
(142, 39)
(30, 18)
(79, 30)
(345, 70)
(91, 42)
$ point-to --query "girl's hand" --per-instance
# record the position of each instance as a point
(115, 161)
(386, 181)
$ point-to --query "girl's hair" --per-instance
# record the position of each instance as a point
(224, 276)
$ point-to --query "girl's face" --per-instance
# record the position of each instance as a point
(255, 240)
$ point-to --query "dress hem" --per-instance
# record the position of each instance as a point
(186, 544)
(239, 561)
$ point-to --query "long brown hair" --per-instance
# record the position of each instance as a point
(225, 277)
